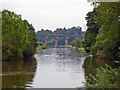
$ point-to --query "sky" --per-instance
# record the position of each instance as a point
(50, 14)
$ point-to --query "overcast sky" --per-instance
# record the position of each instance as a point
(50, 14)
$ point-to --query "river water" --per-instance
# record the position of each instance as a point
(58, 68)
(50, 68)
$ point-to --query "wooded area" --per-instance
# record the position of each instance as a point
(18, 36)
(102, 40)
(102, 35)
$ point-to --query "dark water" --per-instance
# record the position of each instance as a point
(18, 73)
(91, 65)
(51, 68)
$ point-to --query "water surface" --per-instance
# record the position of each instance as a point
(18, 73)
(59, 68)
(51, 68)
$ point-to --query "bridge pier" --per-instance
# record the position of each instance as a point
(46, 39)
(66, 41)
(56, 42)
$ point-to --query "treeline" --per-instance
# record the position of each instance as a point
(102, 35)
(18, 36)
(60, 31)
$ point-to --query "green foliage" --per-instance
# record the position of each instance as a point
(102, 33)
(77, 44)
(101, 38)
(51, 42)
(30, 48)
(41, 45)
(105, 78)
(44, 46)
(107, 39)
(31, 45)
(15, 35)
(91, 32)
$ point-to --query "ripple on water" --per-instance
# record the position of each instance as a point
(59, 68)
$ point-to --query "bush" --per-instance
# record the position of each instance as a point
(29, 50)
(105, 78)
(44, 46)
(77, 44)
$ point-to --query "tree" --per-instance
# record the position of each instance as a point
(31, 45)
(102, 33)
(91, 32)
(77, 44)
(107, 41)
(14, 35)
(18, 36)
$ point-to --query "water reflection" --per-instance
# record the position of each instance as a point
(91, 64)
(52, 68)
(59, 68)
(18, 73)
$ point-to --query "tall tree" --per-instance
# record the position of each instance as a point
(14, 35)
(106, 39)
(31, 45)
(17, 36)
(91, 32)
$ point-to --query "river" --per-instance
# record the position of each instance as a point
(50, 68)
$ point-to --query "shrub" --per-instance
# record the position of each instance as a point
(105, 78)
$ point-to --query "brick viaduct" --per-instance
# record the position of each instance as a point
(58, 36)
